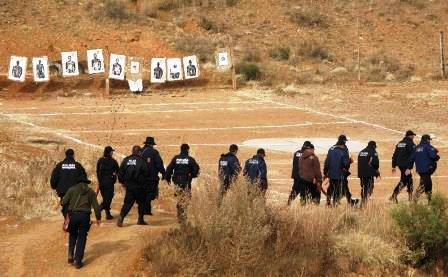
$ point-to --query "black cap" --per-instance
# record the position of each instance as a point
(309, 146)
(150, 141)
(342, 138)
(410, 133)
(83, 179)
(372, 144)
(69, 152)
(261, 152)
(426, 137)
(306, 143)
(108, 150)
(233, 148)
(184, 147)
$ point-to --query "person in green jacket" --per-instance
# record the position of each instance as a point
(80, 199)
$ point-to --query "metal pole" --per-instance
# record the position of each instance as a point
(442, 56)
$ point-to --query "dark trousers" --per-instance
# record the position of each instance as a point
(134, 195)
(312, 193)
(64, 209)
(297, 189)
(107, 193)
(225, 185)
(336, 190)
(183, 194)
(425, 186)
(78, 228)
(367, 184)
(405, 181)
(152, 194)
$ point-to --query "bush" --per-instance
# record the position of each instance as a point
(116, 9)
(419, 4)
(252, 56)
(200, 46)
(250, 71)
(280, 53)
(312, 49)
(425, 228)
(208, 25)
(309, 18)
(379, 64)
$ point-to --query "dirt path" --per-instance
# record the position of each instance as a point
(38, 247)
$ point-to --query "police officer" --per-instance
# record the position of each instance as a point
(368, 168)
(255, 170)
(106, 172)
(425, 157)
(228, 168)
(296, 187)
(131, 174)
(65, 175)
(155, 166)
(401, 158)
(181, 170)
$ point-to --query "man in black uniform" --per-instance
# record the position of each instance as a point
(181, 170)
(296, 187)
(255, 170)
(131, 174)
(155, 166)
(106, 172)
(65, 175)
(368, 168)
(401, 158)
(228, 168)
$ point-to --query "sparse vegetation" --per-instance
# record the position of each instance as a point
(200, 46)
(425, 228)
(379, 65)
(419, 4)
(309, 18)
(280, 53)
(117, 10)
(251, 56)
(314, 50)
(208, 24)
(250, 71)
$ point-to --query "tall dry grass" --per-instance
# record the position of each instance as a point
(246, 236)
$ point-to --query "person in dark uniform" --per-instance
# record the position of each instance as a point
(155, 167)
(425, 157)
(255, 171)
(65, 175)
(401, 158)
(335, 168)
(296, 187)
(131, 174)
(228, 168)
(106, 172)
(181, 170)
(80, 199)
(368, 169)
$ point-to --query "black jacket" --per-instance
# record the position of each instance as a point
(182, 169)
(107, 171)
(132, 172)
(154, 163)
(295, 164)
(368, 163)
(255, 169)
(66, 174)
(228, 166)
(402, 153)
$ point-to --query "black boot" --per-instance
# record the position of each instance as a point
(108, 215)
(120, 221)
(78, 264)
(141, 220)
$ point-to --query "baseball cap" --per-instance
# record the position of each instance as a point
(426, 137)
(261, 151)
(342, 138)
(410, 133)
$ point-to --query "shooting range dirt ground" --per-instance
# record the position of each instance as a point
(210, 120)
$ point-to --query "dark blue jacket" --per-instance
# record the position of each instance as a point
(255, 169)
(368, 163)
(228, 166)
(154, 163)
(337, 162)
(402, 153)
(182, 169)
(425, 158)
(295, 164)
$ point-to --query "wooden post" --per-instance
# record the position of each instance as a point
(232, 59)
(359, 49)
(107, 91)
(442, 56)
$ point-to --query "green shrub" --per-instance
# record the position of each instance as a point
(252, 56)
(280, 53)
(116, 9)
(208, 25)
(314, 50)
(197, 45)
(425, 228)
(309, 18)
(250, 71)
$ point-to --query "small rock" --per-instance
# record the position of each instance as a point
(415, 79)
(339, 70)
(318, 79)
(390, 77)
(291, 89)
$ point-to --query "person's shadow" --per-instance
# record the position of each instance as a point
(102, 248)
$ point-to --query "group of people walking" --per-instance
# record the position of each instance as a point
(141, 171)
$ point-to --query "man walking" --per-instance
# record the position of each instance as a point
(106, 172)
(310, 174)
(155, 167)
(425, 157)
(368, 169)
(131, 174)
(296, 187)
(228, 168)
(401, 158)
(336, 168)
(255, 170)
(65, 175)
(181, 170)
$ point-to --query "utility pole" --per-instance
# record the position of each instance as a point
(232, 59)
(442, 56)
(359, 49)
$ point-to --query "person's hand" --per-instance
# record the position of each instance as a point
(394, 170)
(407, 172)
